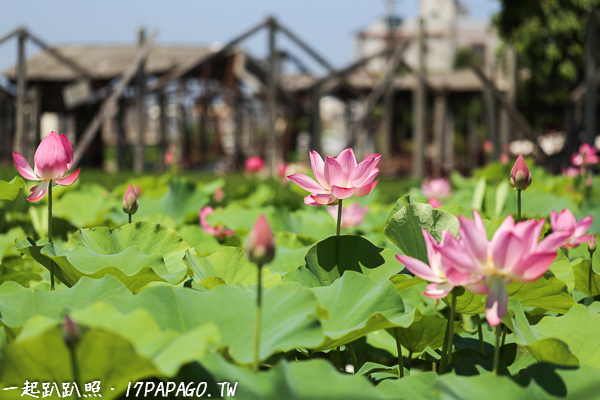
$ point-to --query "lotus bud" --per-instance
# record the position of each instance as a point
(219, 195)
(592, 245)
(520, 177)
(70, 332)
(261, 246)
(130, 203)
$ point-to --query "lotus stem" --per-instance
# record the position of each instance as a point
(399, 347)
(339, 218)
(410, 355)
(130, 218)
(449, 336)
(480, 334)
(519, 204)
(353, 356)
(50, 233)
(338, 358)
(257, 319)
(497, 351)
(74, 364)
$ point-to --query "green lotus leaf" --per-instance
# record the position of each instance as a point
(404, 228)
(289, 315)
(17, 306)
(10, 190)
(232, 266)
(101, 356)
(425, 331)
(303, 380)
(414, 387)
(553, 351)
(330, 258)
(202, 242)
(583, 272)
(357, 306)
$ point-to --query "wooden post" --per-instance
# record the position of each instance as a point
(138, 165)
(19, 145)
(388, 128)
(121, 129)
(33, 125)
(180, 137)
(271, 101)
(238, 109)
(439, 127)
(163, 142)
(489, 101)
(315, 121)
(506, 127)
(472, 139)
(419, 104)
(448, 154)
(591, 79)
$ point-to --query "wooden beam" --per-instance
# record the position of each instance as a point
(315, 119)
(140, 143)
(439, 121)
(20, 140)
(419, 106)
(376, 94)
(271, 101)
(163, 142)
(92, 129)
(305, 47)
(181, 70)
(516, 117)
(12, 33)
(61, 58)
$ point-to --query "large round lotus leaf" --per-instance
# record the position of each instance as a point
(85, 206)
(587, 280)
(288, 315)
(17, 306)
(10, 190)
(357, 305)
(202, 242)
(548, 293)
(414, 387)
(404, 228)
(231, 265)
(150, 238)
(303, 380)
(101, 356)
(291, 250)
(327, 260)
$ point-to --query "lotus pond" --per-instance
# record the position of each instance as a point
(168, 299)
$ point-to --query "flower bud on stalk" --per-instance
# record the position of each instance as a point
(130, 203)
(520, 177)
(261, 246)
(70, 332)
(592, 245)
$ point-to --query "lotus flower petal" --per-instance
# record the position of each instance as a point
(39, 191)
(24, 168)
(67, 181)
(307, 183)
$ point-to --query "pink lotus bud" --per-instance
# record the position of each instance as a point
(520, 177)
(261, 246)
(504, 159)
(589, 182)
(130, 203)
(70, 332)
(592, 245)
(219, 195)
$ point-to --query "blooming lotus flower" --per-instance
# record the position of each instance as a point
(520, 177)
(442, 275)
(585, 156)
(571, 171)
(261, 246)
(220, 231)
(130, 202)
(352, 215)
(513, 254)
(254, 164)
(338, 178)
(575, 230)
(436, 189)
(53, 159)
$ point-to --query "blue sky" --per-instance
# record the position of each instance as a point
(327, 25)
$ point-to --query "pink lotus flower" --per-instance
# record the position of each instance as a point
(571, 171)
(520, 177)
(261, 246)
(338, 178)
(219, 195)
(513, 254)
(53, 159)
(352, 215)
(254, 164)
(504, 159)
(219, 231)
(565, 222)
(436, 189)
(443, 275)
(585, 156)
